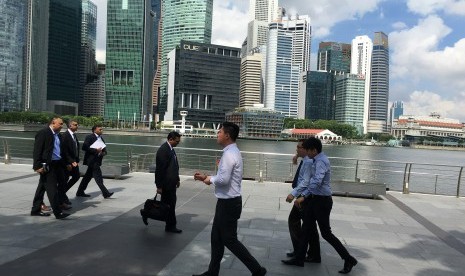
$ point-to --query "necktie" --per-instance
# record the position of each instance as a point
(175, 158)
(296, 176)
(76, 143)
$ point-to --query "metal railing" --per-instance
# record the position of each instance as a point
(426, 178)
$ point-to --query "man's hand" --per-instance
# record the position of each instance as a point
(294, 159)
(289, 198)
(41, 170)
(200, 176)
(298, 202)
(69, 167)
(74, 164)
(207, 180)
(159, 190)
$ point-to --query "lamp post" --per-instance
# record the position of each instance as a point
(117, 122)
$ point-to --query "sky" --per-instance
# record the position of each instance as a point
(426, 41)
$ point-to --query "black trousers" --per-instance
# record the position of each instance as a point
(75, 175)
(295, 227)
(169, 197)
(318, 210)
(224, 233)
(93, 171)
(52, 183)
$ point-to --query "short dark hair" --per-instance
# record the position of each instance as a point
(313, 143)
(96, 126)
(72, 121)
(231, 129)
(301, 140)
(53, 119)
(173, 135)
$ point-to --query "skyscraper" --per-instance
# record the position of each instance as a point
(319, 102)
(362, 48)
(88, 70)
(128, 77)
(350, 90)
(156, 59)
(334, 56)
(379, 84)
(287, 57)
(182, 19)
(13, 15)
(261, 13)
(397, 109)
(251, 80)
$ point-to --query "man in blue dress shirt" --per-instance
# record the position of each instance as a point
(227, 183)
(317, 209)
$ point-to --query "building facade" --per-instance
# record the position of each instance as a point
(362, 48)
(251, 80)
(182, 19)
(94, 93)
(413, 128)
(88, 65)
(204, 81)
(397, 109)
(379, 85)
(320, 99)
(350, 93)
(13, 20)
(156, 58)
(257, 122)
(287, 57)
(334, 56)
(128, 79)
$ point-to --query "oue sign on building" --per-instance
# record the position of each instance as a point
(191, 47)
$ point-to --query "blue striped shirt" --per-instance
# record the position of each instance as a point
(227, 180)
(320, 177)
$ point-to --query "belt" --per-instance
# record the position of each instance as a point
(317, 196)
(232, 198)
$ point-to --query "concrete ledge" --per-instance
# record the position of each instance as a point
(109, 171)
(362, 189)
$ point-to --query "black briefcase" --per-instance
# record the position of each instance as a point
(155, 209)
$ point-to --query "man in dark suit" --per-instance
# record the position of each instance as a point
(71, 155)
(93, 159)
(47, 161)
(167, 178)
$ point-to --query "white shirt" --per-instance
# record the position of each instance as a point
(228, 179)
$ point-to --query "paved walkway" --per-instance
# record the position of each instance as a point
(400, 235)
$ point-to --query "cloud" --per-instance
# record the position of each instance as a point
(427, 7)
(325, 14)
(425, 102)
(417, 64)
(230, 19)
(399, 25)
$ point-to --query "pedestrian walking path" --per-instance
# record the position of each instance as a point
(399, 235)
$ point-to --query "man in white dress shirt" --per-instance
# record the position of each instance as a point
(227, 183)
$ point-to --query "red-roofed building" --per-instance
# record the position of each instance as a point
(325, 135)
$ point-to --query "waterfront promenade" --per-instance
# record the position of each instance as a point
(400, 235)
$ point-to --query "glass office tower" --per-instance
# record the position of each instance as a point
(128, 77)
(182, 19)
(88, 70)
(13, 14)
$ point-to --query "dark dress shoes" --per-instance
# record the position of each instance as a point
(144, 216)
(349, 263)
(261, 272)
(65, 206)
(203, 274)
(173, 230)
(40, 214)
(293, 261)
(291, 254)
(312, 260)
(82, 195)
(108, 195)
(61, 215)
(68, 202)
(45, 208)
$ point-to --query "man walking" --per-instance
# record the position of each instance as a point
(48, 163)
(71, 156)
(167, 179)
(299, 184)
(318, 209)
(227, 183)
(95, 149)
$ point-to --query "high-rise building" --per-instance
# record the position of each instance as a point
(362, 48)
(287, 57)
(350, 91)
(319, 102)
(334, 56)
(128, 77)
(156, 59)
(379, 85)
(36, 61)
(88, 69)
(94, 93)
(204, 81)
(397, 109)
(182, 19)
(64, 56)
(251, 80)
(13, 15)
(261, 13)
